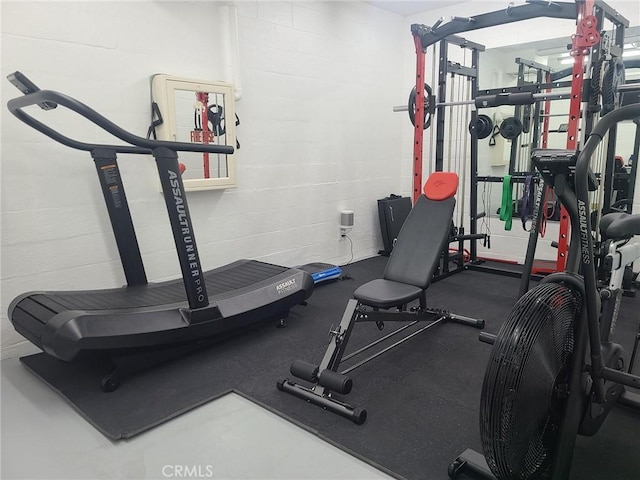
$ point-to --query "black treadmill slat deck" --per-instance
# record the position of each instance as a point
(219, 281)
(240, 277)
(124, 298)
(48, 302)
(28, 326)
(31, 306)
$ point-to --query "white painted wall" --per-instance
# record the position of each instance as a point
(316, 134)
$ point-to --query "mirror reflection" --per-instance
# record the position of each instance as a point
(200, 118)
(515, 131)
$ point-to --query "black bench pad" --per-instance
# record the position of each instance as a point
(384, 294)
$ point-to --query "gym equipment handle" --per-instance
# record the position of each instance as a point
(629, 112)
(137, 145)
(524, 98)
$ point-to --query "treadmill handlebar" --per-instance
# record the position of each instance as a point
(136, 144)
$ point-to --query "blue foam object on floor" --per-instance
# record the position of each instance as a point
(322, 272)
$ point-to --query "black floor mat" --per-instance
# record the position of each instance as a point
(422, 398)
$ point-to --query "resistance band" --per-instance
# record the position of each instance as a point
(506, 209)
(486, 218)
(528, 199)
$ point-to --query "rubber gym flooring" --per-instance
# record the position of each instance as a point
(422, 398)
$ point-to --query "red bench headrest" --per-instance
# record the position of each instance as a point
(441, 185)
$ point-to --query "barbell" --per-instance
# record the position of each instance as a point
(488, 101)
(613, 88)
(482, 101)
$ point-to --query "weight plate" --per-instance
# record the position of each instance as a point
(482, 127)
(613, 78)
(510, 128)
(427, 106)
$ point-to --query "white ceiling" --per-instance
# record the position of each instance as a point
(405, 8)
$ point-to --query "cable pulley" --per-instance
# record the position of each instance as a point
(481, 127)
(426, 111)
(511, 128)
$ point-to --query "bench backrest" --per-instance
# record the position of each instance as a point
(425, 233)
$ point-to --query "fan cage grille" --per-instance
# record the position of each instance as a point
(518, 412)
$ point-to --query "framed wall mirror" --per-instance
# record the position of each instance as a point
(199, 112)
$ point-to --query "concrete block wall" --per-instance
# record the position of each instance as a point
(318, 80)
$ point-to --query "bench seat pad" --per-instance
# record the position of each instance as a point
(381, 293)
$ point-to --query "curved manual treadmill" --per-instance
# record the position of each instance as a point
(142, 315)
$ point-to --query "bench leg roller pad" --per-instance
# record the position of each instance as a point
(335, 381)
(304, 370)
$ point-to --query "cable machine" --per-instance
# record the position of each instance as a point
(457, 84)
(528, 129)
(531, 132)
(524, 97)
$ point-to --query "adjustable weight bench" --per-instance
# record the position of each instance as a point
(407, 276)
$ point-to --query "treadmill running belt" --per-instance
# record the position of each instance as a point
(231, 277)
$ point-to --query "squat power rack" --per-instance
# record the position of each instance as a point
(459, 73)
(589, 16)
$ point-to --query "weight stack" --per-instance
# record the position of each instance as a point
(392, 211)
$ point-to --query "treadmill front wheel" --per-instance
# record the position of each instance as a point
(111, 381)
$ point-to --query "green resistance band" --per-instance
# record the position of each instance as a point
(506, 209)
